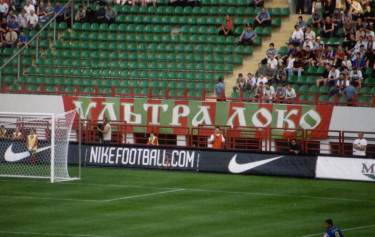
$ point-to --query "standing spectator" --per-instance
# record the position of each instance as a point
(350, 93)
(216, 140)
(301, 23)
(263, 18)
(153, 140)
(259, 91)
(271, 51)
(359, 145)
(3, 131)
(280, 93)
(290, 94)
(248, 36)
(300, 6)
(17, 134)
(106, 131)
(220, 90)
(227, 28)
(293, 147)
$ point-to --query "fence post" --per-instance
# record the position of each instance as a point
(37, 49)
(72, 13)
(1, 80)
(54, 31)
(18, 66)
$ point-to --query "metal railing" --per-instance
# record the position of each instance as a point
(36, 38)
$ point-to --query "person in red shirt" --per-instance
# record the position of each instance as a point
(217, 139)
(227, 28)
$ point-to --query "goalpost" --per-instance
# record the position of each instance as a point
(48, 158)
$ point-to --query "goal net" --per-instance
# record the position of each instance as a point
(35, 145)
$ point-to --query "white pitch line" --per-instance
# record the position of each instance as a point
(346, 229)
(47, 234)
(143, 195)
(16, 196)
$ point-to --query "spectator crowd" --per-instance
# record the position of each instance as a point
(337, 39)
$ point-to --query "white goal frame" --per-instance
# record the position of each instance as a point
(52, 119)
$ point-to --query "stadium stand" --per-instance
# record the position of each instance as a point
(170, 51)
(311, 52)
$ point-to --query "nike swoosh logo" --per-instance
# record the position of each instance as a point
(236, 168)
(10, 156)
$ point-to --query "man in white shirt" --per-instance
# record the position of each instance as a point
(309, 34)
(106, 131)
(272, 61)
(290, 93)
(297, 36)
(29, 7)
(333, 76)
(359, 145)
(32, 19)
(269, 93)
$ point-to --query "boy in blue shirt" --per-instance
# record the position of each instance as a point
(332, 231)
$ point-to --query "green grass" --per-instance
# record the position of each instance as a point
(123, 202)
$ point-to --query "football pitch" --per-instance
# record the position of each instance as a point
(130, 202)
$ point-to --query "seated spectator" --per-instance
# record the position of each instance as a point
(358, 61)
(316, 20)
(80, 14)
(290, 94)
(297, 36)
(144, 3)
(272, 63)
(42, 12)
(22, 20)
(251, 82)
(350, 93)
(328, 28)
(13, 24)
(355, 9)
(59, 11)
(360, 145)
(227, 28)
(268, 93)
(259, 91)
(292, 67)
(29, 7)
(263, 18)
(309, 34)
(258, 3)
(10, 38)
(22, 39)
(333, 76)
(248, 36)
(293, 147)
(240, 83)
(110, 14)
(280, 93)
(32, 19)
(356, 77)
(4, 8)
(100, 14)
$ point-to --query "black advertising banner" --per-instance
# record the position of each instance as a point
(139, 157)
(15, 151)
(262, 164)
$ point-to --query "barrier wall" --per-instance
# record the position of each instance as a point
(149, 157)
